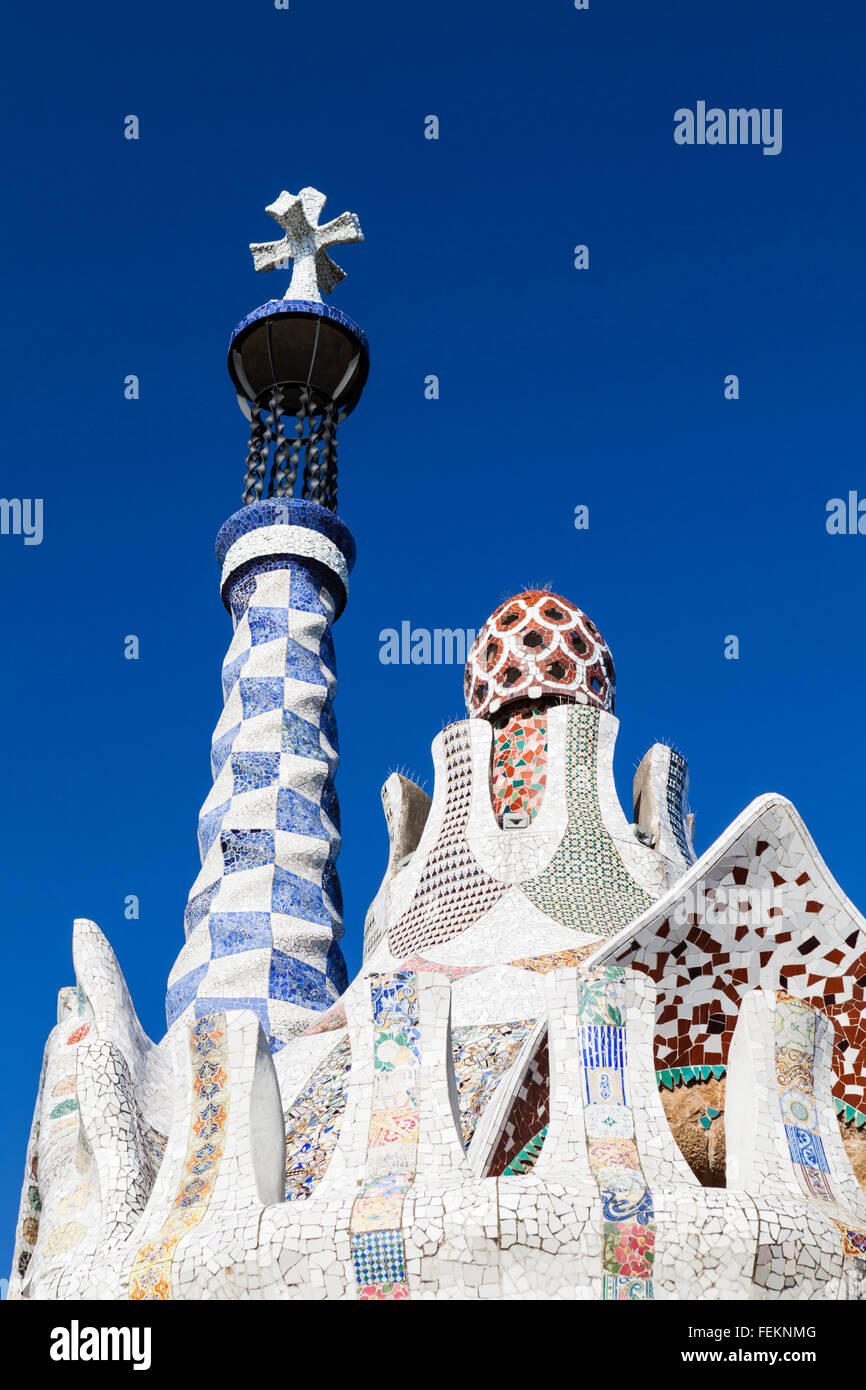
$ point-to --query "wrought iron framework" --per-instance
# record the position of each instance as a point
(286, 438)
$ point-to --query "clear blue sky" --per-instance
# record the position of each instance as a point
(558, 387)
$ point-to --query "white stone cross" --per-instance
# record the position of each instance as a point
(306, 243)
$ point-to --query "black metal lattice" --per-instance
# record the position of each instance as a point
(286, 439)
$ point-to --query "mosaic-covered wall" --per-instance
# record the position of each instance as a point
(479, 1113)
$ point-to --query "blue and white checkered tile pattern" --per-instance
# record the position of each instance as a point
(677, 791)
(264, 917)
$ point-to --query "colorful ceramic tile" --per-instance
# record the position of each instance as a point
(392, 1145)
(314, 1120)
(518, 772)
(150, 1277)
(586, 885)
(453, 890)
(482, 1055)
(627, 1205)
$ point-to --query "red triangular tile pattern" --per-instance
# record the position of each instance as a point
(453, 891)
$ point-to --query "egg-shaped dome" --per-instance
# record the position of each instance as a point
(538, 644)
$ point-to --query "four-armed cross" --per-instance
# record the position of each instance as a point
(306, 243)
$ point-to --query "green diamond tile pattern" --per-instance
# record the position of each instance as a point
(586, 885)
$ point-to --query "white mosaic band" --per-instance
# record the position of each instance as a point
(274, 542)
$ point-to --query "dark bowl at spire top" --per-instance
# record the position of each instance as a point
(296, 344)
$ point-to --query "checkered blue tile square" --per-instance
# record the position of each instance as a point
(260, 694)
(379, 1257)
(267, 624)
(251, 771)
(296, 812)
(239, 931)
(247, 849)
(296, 982)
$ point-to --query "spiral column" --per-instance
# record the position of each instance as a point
(264, 916)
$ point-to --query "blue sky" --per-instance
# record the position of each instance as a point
(558, 387)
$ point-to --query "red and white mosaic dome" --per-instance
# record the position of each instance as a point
(534, 645)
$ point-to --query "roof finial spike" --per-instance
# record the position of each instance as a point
(306, 243)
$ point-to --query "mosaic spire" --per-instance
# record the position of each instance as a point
(264, 917)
